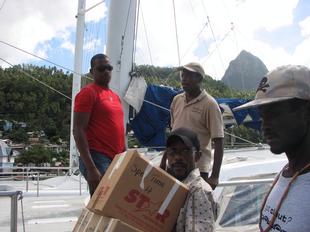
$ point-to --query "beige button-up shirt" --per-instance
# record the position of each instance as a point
(197, 213)
(201, 115)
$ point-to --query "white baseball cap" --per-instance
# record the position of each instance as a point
(193, 67)
(283, 83)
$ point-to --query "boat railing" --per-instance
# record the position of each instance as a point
(15, 196)
(245, 182)
(35, 173)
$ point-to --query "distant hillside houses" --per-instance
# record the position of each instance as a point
(11, 149)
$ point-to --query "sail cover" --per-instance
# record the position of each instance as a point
(153, 119)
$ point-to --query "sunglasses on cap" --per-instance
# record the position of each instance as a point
(103, 68)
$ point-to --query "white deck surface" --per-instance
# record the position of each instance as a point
(56, 209)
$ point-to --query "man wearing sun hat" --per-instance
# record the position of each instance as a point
(283, 100)
(197, 110)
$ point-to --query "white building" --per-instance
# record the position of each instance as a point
(6, 160)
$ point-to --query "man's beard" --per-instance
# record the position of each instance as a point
(171, 172)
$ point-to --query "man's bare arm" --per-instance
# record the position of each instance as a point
(80, 123)
(217, 162)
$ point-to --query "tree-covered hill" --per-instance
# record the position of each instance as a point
(23, 99)
(171, 77)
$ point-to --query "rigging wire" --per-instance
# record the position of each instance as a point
(158, 106)
(146, 37)
(2, 5)
(176, 32)
(197, 37)
(243, 139)
(124, 33)
(213, 35)
(127, 19)
(232, 23)
(41, 82)
(136, 34)
(235, 36)
(216, 44)
(48, 61)
(92, 7)
(92, 30)
(192, 8)
(85, 40)
(211, 53)
(151, 73)
(91, 41)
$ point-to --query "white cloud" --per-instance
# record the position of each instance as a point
(28, 24)
(97, 13)
(301, 55)
(34, 26)
(91, 45)
(68, 45)
(305, 27)
(248, 18)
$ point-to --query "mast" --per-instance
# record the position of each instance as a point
(76, 83)
(120, 46)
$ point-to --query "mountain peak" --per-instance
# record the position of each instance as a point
(244, 72)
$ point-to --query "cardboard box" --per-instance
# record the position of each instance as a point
(80, 224)
(91, 222)
(136, 192)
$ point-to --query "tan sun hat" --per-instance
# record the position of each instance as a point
(283, 83)
(193, 67)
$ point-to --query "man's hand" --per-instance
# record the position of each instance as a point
(93, 179)
(213, 182)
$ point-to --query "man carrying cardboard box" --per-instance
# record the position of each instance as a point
(138, 193)
(182, 152)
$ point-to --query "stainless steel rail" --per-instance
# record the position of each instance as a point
(35, 174)
(14, 198)
(244, 182)
(27, 178)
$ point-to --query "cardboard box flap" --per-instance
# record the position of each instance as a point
(117, 164)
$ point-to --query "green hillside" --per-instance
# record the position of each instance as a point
(23, 99)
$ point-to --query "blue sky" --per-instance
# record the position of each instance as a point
(65, 57)
(289, 36)
(277, 35)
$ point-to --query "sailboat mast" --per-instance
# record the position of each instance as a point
(120, 45)
(76, 83)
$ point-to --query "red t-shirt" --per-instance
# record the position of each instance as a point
(105, 131)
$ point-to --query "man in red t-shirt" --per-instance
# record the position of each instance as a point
(98, 123)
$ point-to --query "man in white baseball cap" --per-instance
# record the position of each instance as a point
(197, 110)
(283, 100)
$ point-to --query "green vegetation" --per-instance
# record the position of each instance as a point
(171, 77)
(22, 99)
(38, 155)
(19, 135)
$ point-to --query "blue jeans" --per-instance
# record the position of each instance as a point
(101, 161)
